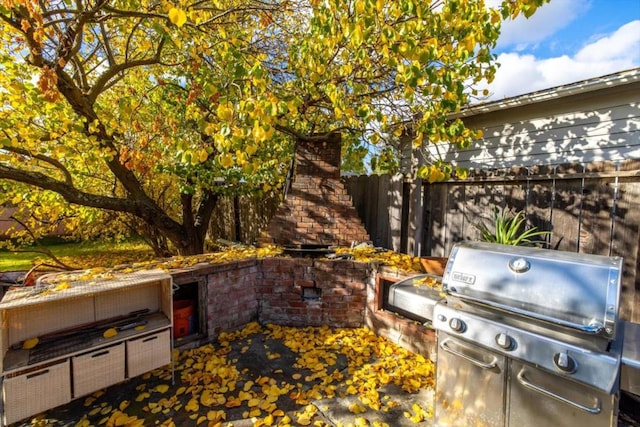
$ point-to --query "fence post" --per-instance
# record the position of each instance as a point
(395, 212)
(415, 227)
(417, 217)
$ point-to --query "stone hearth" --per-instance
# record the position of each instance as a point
(300, 292)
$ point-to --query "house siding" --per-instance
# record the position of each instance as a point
(586, 127)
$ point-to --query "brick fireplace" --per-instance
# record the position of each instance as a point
(317, 211)
(304, 291)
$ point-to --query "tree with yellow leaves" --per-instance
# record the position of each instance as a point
(148, 110)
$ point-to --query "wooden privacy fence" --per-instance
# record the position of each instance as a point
(588, 209)
(242, 218)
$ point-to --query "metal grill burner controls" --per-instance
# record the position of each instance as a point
(528, 337)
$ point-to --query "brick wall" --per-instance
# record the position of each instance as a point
(405, 332)
(230, 300)
(317, 208)
(313, 292)
(303, 292)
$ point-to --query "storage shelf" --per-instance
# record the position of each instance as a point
(17, 360)
(72, 356)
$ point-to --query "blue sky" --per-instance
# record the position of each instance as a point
(564, 42)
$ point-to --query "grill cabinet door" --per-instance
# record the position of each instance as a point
(536, 399)
(470, 384)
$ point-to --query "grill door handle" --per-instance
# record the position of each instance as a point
(479, 363)
(528, 384)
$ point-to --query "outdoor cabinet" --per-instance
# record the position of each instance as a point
(72, 357)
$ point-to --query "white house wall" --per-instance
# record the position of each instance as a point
(603, 125)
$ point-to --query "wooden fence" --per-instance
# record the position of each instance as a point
(242, 219)
(589, 209)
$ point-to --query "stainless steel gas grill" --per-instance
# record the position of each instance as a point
(527, 337)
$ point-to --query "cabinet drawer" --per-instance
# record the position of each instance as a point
(33, 392)
(98, 369)
(147, 353)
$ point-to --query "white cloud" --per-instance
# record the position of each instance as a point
(624, 43)
(524, 73)
(523, 33)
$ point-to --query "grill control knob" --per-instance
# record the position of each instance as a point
(457, 324)
(565, 363)
(504, 341)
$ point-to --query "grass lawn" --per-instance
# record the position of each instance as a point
(80, 255)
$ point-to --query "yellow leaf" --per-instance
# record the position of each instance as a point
(177, 16)
(30, 343)
(233, 403)
(225, 111)
(61, 286)
(469, 43)
(226, 160)
(357, 409)
(203, 155)
(142, 396)
(207, 398)
(162, 388)
(192, 405)
(304, 420)
(119, 419)
(110, 333)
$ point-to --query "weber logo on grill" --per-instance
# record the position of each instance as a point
(468, 279)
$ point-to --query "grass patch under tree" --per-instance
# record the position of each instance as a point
(80, 255)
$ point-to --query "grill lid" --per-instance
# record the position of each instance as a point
(579, 291)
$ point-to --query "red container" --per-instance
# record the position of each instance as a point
(183, 318)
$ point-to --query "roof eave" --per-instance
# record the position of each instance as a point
(583, 86)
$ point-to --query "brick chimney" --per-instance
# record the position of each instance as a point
(317, 209)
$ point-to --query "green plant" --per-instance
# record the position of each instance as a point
(510, 230)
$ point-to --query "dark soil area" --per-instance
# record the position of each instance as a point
(268, 376)
(276, 376)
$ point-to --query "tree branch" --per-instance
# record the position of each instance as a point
(55, 163)
(114, 70)
(69, 192)
(309, 138)
(43, 249)
(142, 207)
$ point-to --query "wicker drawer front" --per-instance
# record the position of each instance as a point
(31, 393)
(99, 369)
(147, 353)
